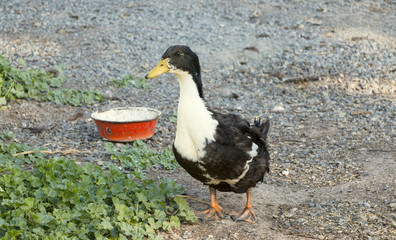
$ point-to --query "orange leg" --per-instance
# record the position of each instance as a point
(214, 213)
(247, 214)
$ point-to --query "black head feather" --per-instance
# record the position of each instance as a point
(184, 59)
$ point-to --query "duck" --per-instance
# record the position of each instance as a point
(222, 150)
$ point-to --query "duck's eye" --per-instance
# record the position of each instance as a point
(179, 54)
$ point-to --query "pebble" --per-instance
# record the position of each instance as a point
(278, 108)
(285, 172)
(393, 206)
(210, 237)
(186, 235)
(393, 223)
(360, 218)
(392, 216)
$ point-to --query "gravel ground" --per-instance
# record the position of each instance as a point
(324, 72)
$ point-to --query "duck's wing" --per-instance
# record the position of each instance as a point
(232, 150)
(234, 130)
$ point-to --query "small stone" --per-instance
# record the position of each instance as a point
(324, 10)
(288, 215)
(226, 92)
(393, 223)
(276, 73)
(285, 172)
(186, 235)
(108, 94)
(278, 108)
(120, 145)
(393, 206)
(314, 21)
(360, 218)
(392, 216)
(373, 218)
(174, 236)
(341, 114)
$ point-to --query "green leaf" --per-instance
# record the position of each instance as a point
(127, 80)
(3, 101)
(19, 222)
(166, 226)
(141, 83)
(49, 192)
(61, 216)
(2, 222)
(126, 228)
(97, 210)
(19, 90)
(185, 210)
(28, 204)
(181, 203)
(124, 212)
(174, 222)
(141, 197)
(22, 62)
(154, 224)
(12, 234)
(42, 218)
(106, 224)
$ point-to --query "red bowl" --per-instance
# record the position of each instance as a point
(126, 124)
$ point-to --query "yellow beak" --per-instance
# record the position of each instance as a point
(161, 68)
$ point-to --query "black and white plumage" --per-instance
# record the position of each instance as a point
(223, 151)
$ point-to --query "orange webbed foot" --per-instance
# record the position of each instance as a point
(246, 215)
(214, 212)
(210, 214)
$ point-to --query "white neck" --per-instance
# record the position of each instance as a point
(188, 88)
(195, 125)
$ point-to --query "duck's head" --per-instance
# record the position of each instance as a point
(179, 60)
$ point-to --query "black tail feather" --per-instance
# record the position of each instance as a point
(259, 136)
(263, 126)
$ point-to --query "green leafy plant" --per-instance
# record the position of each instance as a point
(139, 157)
(40, 85)
(56, 198)
(127, 80)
